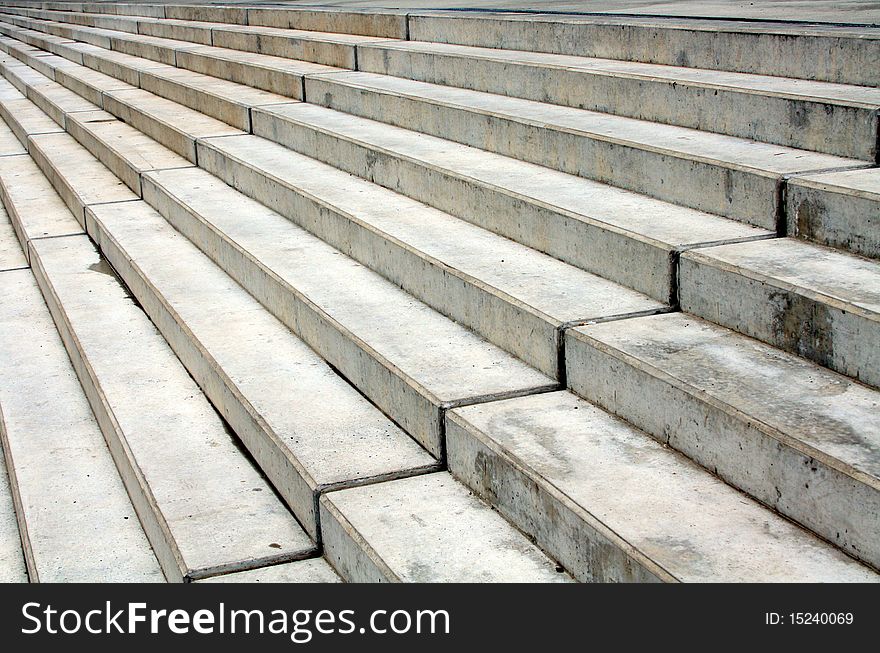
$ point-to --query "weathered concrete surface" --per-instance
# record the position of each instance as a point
(126, 151)
(737, 178)
(816, 302)
(513, 296)
(840, 209)
(412, 366)
(174, 29)
(9, 144)
(617, 234)
(426, 529)
(35, 209)
(307, 429)
(315, 570)
(77, 176)
(171, 124)
(832, 118)
(612, 504)
(77, 520)
(833, 54)
(12, 567)
(205, 507)
(798, 437)
(88, 83)
(11, 255)
(52, 98)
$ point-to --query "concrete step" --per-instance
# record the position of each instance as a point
(127, 152)
(794, 435)
(811, 300)
(334, 49)
(612, 504)
(847, 55)
(11, 255)
(315, 570)
(205, 507)
(619, 235)
(79, 178)
(515, 297)
(839, 209)
(832, 118)
(33, 206)
(12, 567)
(737, 178)
(22, 116)
(251, 367)
(408, 359)
(73, 511)
(426, 529)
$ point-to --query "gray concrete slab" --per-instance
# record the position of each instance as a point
(814, 301)
(796, 436)
(205, 507)
(737, 178)
(426, 529)
(315, 570)
(511, 295)
(11, 255)
(35, 209)
(838, 209)
(22, 116)
(612, 504)
(413, 366)
(9, 144)
(78, 522)
(818, 116)
(617, 234)
(77, 176)
(308, 430)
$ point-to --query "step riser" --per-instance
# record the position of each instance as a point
(846, 220)
(649, 268)
(330, 54)
(232, 113)
(736, 193)
(500, 320)
(846, 60)
(274, 81)
(740, 450)
(416, 413)
(591, 554)
(829, 334)
(828, 127)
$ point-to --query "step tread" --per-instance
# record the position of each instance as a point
(12, 567)
(860, 183)
(336, 436)
(427, 529)
(845, 94)
(315, 570)
(643, 216)
(826, 275)
(680, 520)
(202, 484)
(555, 289)
(718, 149)
(11, 255)
(448, 360)
(828, 415)
(37, 211)
(81, 526)
(272, 62)
(85, 180)
(23, 116)
(221, 88)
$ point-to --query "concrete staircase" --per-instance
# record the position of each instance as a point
(310, 295)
